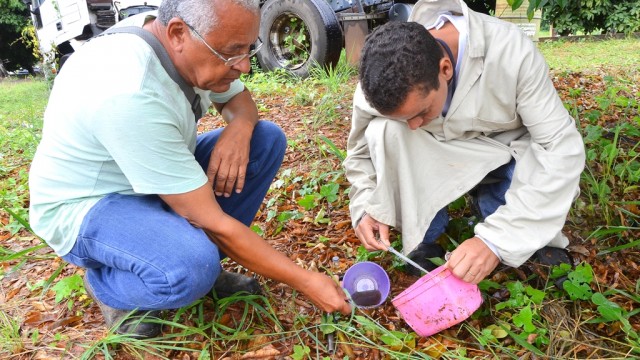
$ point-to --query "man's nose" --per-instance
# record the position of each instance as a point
(243, 66)
(414, 123)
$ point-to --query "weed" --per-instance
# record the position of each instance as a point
(333, 78)
(68, 289)
(278, 81)
(363, 254)
(613, 167)
(300, 352)
(578, 287)
(10, 339)
(524, 302)
(333, 149)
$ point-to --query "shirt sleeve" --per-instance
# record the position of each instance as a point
(359, 168)
(235, 88)
(546, 177)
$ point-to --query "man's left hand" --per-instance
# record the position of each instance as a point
(472, 261)
(228, 163)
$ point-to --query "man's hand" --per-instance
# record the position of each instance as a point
(326, 293)
(228, 163)
(472, 261)
(370, 230)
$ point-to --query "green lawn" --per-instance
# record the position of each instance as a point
(586, 55)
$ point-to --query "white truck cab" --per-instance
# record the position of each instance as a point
(63, 25)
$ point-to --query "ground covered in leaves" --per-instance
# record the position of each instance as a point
(306, 217)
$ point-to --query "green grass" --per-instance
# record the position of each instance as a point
(588, 55)
(21, 107)
(22, 104)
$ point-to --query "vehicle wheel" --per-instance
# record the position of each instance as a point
(62, 60)
(298, 34)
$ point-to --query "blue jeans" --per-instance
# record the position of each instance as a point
(488, 197)
(140, 254)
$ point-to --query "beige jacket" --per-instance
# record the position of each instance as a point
(504, 106)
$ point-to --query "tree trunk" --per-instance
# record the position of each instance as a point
(3, 71)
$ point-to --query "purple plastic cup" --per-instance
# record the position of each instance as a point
(367, 283)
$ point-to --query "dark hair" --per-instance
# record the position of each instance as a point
(398, 57)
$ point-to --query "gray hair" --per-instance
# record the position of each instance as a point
(200, 14)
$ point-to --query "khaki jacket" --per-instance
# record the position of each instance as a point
(504, 106)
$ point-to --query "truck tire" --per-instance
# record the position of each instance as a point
(298, 34)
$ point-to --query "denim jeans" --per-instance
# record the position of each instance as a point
(140, 254)
(487, 196)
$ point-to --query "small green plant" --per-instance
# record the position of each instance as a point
(69, 289)
(578, 286)
(297, 42)
(334, 77)
(300, 352)
(277, 81)
(363, 254)
(524, 302)
(333, 149)
(611, 169)
(612, 312)
(278, 192)
(328, 192)
(10, 340)
(398, 344)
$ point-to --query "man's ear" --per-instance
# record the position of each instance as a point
(177, 33)
(446, 68)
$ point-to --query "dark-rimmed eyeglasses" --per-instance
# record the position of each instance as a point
(234, 60)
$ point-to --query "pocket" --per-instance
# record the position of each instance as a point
(496, 124)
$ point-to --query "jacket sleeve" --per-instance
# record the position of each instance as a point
(359, 168)
(546, 177)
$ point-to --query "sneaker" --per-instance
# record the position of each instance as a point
(421, 255)
(229, 283)
(134, 325)
(552, 256)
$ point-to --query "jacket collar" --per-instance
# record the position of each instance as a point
(427, 12)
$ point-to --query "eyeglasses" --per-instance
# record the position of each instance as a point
(234, 60)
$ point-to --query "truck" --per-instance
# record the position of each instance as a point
(297, 34)
(64, 25)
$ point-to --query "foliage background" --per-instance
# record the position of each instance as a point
(15, 52)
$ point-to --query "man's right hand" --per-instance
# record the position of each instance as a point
(326, 293)
(370, 230)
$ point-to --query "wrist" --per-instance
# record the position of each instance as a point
(360, 219)
(491, 246)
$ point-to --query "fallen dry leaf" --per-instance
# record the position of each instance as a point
(266, 352)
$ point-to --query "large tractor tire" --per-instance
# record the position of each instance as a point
(299, 34)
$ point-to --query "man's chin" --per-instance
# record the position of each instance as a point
(220, 88)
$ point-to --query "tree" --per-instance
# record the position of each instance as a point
(15, 52)
(588, 16)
